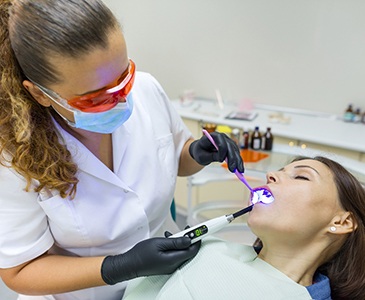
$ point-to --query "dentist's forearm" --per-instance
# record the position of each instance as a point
(54, 274)
(188, 166)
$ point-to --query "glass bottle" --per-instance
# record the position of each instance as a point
(357, 116)
(348, 116)
(267, 140)
(210, 127)
(245, 140)
(256, 139)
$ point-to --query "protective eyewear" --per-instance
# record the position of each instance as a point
(101, 100)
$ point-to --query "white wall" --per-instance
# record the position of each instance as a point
(301, 53)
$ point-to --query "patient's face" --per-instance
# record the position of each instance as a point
(306, 200)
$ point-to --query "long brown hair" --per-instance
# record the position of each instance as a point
(32, 31)
(346, 269)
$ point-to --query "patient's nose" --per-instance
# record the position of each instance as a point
(271, 177)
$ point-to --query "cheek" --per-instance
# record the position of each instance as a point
(293, 211)
(297, 200)
(327, 199)
(278, 216)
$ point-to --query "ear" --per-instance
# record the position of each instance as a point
(343, 223)
(36, 93)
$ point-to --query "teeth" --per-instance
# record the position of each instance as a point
(255, 197)
(261, 195)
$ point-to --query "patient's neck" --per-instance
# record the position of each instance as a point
(298, 263)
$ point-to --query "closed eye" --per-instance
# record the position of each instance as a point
(301, 178)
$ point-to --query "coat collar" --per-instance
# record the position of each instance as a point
(86, 161)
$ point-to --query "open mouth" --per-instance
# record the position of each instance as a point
(262, 194)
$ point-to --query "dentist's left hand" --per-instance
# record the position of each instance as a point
(204, 152)
(154, 256)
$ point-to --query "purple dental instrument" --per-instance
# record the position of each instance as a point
(239, 175)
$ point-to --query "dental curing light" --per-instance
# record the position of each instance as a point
(197, 232)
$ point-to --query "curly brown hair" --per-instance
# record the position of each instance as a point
(30, 33)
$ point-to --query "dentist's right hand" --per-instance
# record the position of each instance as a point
(154, 256)
(204, 152)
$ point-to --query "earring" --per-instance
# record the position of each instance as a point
(333, 228)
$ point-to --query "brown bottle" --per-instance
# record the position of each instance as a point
(256, 139)
(348, 116)
(244, 141)
(357, 116)
(267, 140)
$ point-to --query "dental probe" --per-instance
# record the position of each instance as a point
(197, 232)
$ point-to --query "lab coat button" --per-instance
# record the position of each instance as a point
(126, 191)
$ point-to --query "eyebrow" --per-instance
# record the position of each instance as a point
(302, 166)
(305, 166)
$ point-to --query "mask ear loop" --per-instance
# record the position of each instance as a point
(68, 108)
(61, 102)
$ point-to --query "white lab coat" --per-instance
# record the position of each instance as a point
(111, 211)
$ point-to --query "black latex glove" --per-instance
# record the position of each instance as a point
(155, 256)
(204, 152)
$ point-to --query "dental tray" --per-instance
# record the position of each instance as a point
(242, 115)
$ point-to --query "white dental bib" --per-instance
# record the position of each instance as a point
(221, 270)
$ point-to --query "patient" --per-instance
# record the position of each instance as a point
(311, 238)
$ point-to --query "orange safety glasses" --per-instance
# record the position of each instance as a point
(101, 100)
(106, 99)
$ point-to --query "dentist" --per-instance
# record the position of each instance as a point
(90, 152)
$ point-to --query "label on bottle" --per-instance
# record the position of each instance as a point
(348, 117)
(256, 145)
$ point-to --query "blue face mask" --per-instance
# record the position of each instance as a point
(104, 122)
(107, 121)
